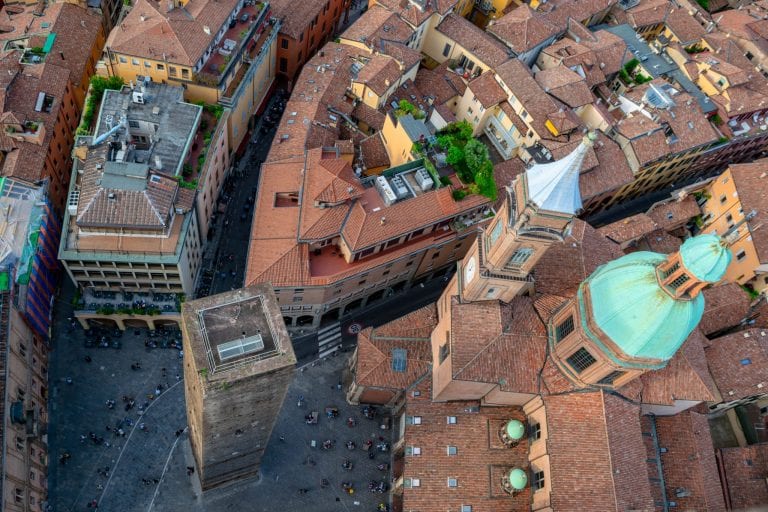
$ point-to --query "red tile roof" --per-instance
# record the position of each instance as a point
(689, 462)
(522, 28)
(473, 39)
(725, 306)
(745, 470)
(487, 90)
(738, 361)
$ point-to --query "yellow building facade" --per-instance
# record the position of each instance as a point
(723, 214)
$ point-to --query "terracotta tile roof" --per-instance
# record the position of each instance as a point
(662, 242)
(373, 152)
(378, 23)
(512, 356)
(295, 21)
(26, 159)
(487, 90)
(405, 55)
(379, 73)
(580, 476)
(628, 229)
(684, 26)
(648, 12)
(523, 29)
(370, 116)
(439, 83)
(741, 100)
(738, 361)
(148, 204)
(565, 85)
(751, 184)
(725, 306)
(546, 304)
(564, 266)
(364, 229)
(689, 462)
(321, 85)
(738, 23)
(673, 214)
(611, 172)
(686, 376)
(375, 350)
(473, 39)
(745, 469)
(609, 51)
(480, 462)
(76, 28)
(175, 35)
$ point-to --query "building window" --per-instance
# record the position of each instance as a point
(147, 64)
(445, 350)
(494, 235)
(171, 71)
(723, 198)
(446, 50)
(741, 255)
(18, 495)
(453, 482)
(411, 482)
(283, 64)
(537, 482)
(284, 43)
(413, 451)
(609, 379)
(581, 360)
(160, 67)
(123, 60)
(518, 258)
(466, 508)
(452, 451)
(135, 62)
(563, 329)
(399, 360)
(534, 431)
(413, 420)
(185, 73)
(678, 281)
(450, 420)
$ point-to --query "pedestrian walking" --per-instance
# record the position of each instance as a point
(190, 470)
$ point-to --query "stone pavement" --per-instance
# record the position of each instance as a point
(80, 408)
(147, 470)
(285, 468)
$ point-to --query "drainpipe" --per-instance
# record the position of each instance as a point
(657, 451)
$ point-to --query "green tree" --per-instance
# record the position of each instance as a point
(475, 155)
(486, 184)
(455, 155)
(99, 84)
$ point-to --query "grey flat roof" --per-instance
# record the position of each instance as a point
(414, 128)
(176, 121)
(656, 65)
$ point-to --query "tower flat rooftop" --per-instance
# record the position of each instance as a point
(238, 332)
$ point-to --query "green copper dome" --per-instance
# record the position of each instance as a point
(515, 429)
(630, 306)
(517, 479)
(706, 257)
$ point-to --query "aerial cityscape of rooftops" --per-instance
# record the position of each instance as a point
(384, 255)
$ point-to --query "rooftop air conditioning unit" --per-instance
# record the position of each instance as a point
(424, 179)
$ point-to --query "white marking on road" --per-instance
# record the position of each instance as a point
(165, 470)
(128, 440)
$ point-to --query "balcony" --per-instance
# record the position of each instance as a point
(500, 138)
(257, 50)
(221, 63)
(139, 303)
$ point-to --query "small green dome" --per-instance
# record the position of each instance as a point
(517, 479)
(706, 257)
(630, 306)
(515, 429)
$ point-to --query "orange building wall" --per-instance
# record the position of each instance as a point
(296, 52)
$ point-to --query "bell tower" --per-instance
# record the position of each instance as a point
(539, 208)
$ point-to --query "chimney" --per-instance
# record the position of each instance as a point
(158, 163)
(61, 54)
(383, 220)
